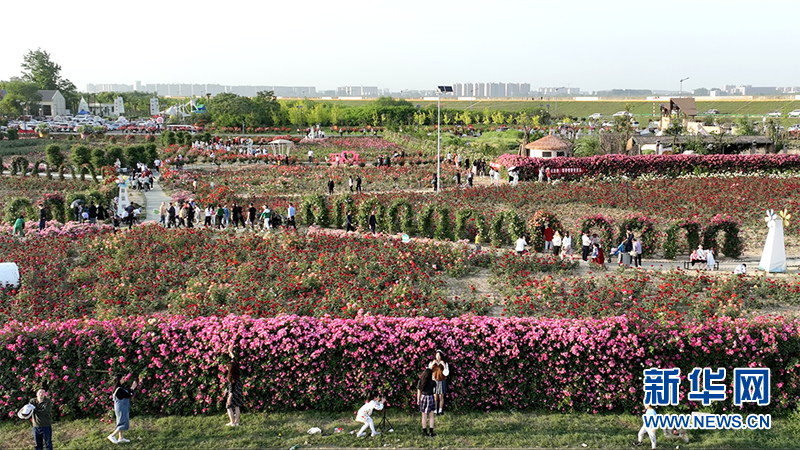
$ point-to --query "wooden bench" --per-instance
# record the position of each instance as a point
(687, 265)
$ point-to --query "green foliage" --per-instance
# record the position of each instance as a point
(168, 138)
(315, 211)
(733, 243)
(17, 93)
(463, 216)
(81, 155)
(745, 127)
(671, 245)
(394, 222)
(18, 165)
(602, 222)
(340, 206)
(444, 229)
(648, 236)
(588, 146)
(135, 154)
(425, 223)
(114, 153)
(17, 206)
(99, 158)
(364, 211)
(54, 156)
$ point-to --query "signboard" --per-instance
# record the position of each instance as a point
(566, 171)
(153, 106)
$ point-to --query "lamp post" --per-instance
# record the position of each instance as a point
(680, 94)
(439, 133)
(300, 108)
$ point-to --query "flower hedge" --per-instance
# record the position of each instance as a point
(635, 166)
(292, 362)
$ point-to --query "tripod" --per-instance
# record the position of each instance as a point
(384, 423)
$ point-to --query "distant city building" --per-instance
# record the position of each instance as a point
(357, 91)
(493, 90)
(557, 91)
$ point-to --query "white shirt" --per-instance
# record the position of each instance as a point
(557, 240)
(521, 244)
(365, 411)
(586, 241)
(740, 270)
(567, 242)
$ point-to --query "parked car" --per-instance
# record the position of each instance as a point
(622, 113)
(795, 113)
(774, 114)
(712, 111)
(596, 116)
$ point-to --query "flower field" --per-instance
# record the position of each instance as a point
(291, 362)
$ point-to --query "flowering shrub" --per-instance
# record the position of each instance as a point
(733, 246)
(645, 227)
(291, 362)
(634, 166)
(692, 228)
(588, 223)
(535, 223)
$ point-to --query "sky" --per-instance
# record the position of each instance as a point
(410, 44)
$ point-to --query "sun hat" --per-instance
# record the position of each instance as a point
(26, 412)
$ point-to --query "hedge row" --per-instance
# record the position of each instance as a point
(634, 166)
(292, 362)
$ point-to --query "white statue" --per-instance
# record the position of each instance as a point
(122, 200)
(773, 260)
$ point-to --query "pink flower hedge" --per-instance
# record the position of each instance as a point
(292, 362)
(654, 164)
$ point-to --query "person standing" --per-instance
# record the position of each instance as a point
(548, 237)
(350, 183)
(637, 252)
(440, 373)
(122, 409)
(470, 176)
(235, 212)
(290, 213)
(102, 215)
(586, 243)
(710, 261)
(233, 391)
(651, 432)
(42, 421)
(566, 246)
(42, 217)
(162, 212)
(92, 213)
(349, 222)
(251, 215)
(427, 404)
(373, 222)
(358, 183)
(208, 216)
(171, 215)
(220, 215)
(557, 241)
(266, 217)
(330, 186)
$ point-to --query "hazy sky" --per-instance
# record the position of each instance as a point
(410, 44)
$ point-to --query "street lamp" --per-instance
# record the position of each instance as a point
(682, 80)
(300, 108)
(439, 133)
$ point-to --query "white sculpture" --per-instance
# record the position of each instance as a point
(773, 260)
(122, 200)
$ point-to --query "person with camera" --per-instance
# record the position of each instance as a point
(374, 403)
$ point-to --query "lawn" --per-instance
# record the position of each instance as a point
(501, 429)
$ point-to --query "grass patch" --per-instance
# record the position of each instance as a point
(455, 430)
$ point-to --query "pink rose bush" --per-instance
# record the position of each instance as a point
(291, 362)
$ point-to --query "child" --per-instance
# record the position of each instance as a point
(649, 411)
(364, 415)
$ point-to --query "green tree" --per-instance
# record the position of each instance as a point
(746, 127)
(99, 158)
(114, 153)
(17, 93)
(54, 156)
(81, 155)
(588, 146)
(40, 70)
(231, 110)
(335, 114)
(265, 106)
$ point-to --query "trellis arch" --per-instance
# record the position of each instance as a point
(463, 216)
(14, 207)
(516, 228)
(648, 235)
(364, 210)
(733, 244)
(396, 222)
(534, 223)
(315, 210)
(18, 164)
(55, 204)
(602, 222)
(425, 221)
(671, 246)
(444, 229)
(341, 203)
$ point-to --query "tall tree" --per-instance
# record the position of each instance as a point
(46, 74)
(17, 93)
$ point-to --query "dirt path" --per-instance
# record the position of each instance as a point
(476, 286)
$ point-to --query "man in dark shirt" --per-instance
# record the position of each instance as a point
(330, 186)
(236, 212)
(92, 213)
(42, 217)
(171, 214)
(358, 183)
(373, 222)
(251, 215)
(42, 423)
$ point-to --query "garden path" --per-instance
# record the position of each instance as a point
(153, 199)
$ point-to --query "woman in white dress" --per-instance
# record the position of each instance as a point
(710, 261)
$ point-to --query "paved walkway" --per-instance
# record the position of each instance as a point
(152, 201)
